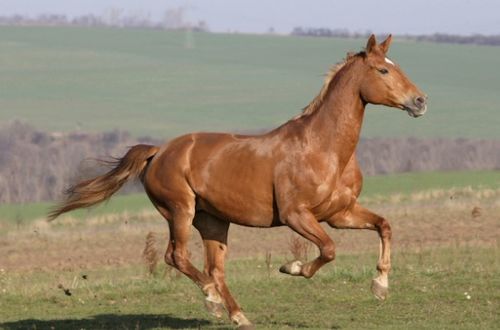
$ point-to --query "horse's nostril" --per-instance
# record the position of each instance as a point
(419, 101)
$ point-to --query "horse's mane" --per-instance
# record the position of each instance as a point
(320, 98)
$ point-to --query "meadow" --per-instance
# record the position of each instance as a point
(163, 84)
(89, 272)
(86, 270)
(430, 290)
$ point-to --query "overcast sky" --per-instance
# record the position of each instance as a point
(395, 16)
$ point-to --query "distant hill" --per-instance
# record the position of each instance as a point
(163, 83)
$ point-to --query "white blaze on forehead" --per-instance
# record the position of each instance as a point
(389, 61)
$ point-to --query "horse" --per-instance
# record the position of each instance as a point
(298, 175)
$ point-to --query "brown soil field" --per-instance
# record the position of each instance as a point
(419, 221)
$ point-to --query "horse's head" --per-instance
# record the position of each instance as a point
(385, 83)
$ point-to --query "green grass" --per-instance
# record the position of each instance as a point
(407, 183)
(149, 83)
(428, 291)
(133, 203)
(383, 185)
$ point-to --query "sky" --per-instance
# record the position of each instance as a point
(257, 16)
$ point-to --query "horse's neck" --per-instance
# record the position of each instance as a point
(337, 124)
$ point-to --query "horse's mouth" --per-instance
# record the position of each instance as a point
(414, 112)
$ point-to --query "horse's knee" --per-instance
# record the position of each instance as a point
(328, 252)
(181, 261)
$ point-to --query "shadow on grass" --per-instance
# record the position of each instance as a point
(110, 321)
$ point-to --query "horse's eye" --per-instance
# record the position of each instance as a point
(383, 71)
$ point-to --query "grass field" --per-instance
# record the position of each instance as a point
(430, 290)
(446, 273)
(155, 83)
(407, 183)
(375, 187)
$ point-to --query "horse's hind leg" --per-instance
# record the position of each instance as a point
(177, 253)
(214, 234)
(360, 218)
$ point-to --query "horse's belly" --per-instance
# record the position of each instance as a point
(240, 194)
(237, 208)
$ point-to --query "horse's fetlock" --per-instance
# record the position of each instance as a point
(383, 267)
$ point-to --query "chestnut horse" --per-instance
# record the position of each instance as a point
(299, 174)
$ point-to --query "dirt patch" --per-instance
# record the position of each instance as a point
(118, 240)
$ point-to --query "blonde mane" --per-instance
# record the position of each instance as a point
(320, 98)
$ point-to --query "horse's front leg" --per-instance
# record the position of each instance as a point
(305, 224)
(360, 218)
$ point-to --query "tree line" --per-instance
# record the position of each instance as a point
(175, 19)
(172, 19)
(475, 39)
(37, 166)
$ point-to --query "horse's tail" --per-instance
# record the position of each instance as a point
(99, 189)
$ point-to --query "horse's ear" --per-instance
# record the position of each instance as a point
(370, 45)
(386, 43)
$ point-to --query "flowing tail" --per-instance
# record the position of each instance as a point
(99, 189)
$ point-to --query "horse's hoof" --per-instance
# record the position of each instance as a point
(214, 308)
(292, 268)
(242, 322)
(380, 290)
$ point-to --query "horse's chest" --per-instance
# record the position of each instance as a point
(328, 195)
(313, 182)
(338, 200)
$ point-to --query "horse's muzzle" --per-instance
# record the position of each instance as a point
(416, 107)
